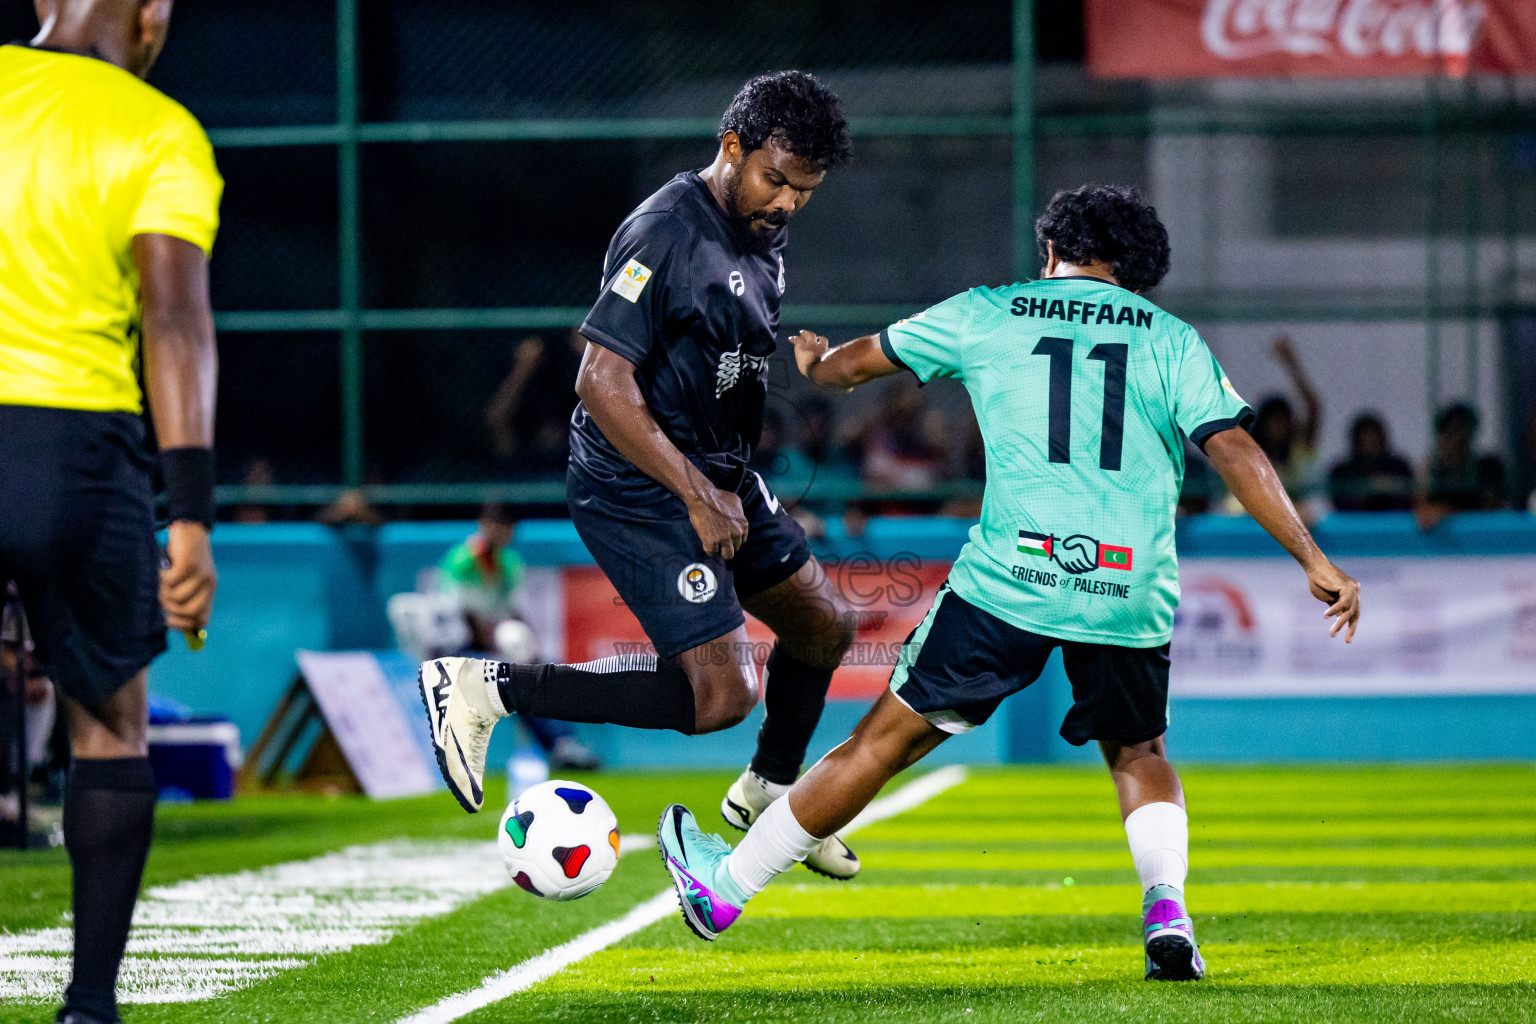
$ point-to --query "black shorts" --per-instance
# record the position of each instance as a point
(77, 534)
(642, 539)
(960, 662)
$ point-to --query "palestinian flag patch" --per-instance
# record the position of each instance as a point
(1041, 545)
(1112, 557)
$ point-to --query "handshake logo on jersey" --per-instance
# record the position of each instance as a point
(1076, 554)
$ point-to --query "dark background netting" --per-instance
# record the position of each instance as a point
(468, 59)
(919, 215)
(278, 405)
(277, 244)
(527, 223)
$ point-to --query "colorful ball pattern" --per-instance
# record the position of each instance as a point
(559, 840)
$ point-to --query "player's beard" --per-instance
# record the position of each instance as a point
(760, 241)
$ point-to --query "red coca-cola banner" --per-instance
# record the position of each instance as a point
(1327, 38)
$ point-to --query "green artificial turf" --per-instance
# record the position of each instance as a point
(1329, 894)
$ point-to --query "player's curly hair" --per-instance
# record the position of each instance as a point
(1109, 224)
(795, 110)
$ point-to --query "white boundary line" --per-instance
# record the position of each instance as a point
(532, 971)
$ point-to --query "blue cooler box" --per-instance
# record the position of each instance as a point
(195, 759)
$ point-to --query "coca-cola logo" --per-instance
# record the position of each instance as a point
(1243, 29)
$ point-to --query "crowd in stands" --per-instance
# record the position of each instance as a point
(1456, 477)
(901, 453)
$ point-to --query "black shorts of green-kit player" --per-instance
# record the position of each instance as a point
(961, 662)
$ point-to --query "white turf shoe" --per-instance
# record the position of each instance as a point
(462, 709)
(750, 796)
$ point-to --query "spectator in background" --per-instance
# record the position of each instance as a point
(1291, 444)
(529, 416)
(482, 576)
(901, 446)
(40, 713)
(1530, 452)
(1527, 468)
(1373, 478)
(775, 459)
(257, 474)
(1456, 478)
(351, 508)
(818, 436)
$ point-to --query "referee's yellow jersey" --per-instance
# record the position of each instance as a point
(89, 157)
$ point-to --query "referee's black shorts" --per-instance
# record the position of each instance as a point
(77, 534)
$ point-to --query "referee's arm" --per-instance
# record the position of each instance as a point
(181, 369)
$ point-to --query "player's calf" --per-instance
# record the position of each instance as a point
(724, 682)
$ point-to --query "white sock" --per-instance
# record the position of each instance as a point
(1159, 838)
(774, 844)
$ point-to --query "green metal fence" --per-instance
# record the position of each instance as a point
(1474, 176)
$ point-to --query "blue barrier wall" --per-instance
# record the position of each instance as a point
(288, 586)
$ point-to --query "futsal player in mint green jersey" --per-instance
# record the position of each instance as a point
(1085, 392)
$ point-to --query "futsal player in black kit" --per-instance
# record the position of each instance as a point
(672, 391)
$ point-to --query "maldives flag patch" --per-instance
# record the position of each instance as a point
(1112, 557)
(1041, 545)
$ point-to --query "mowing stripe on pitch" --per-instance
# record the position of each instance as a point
(532, 971)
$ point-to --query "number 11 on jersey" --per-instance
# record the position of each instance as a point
(1059, 402)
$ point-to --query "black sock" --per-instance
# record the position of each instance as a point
(109, 811)
(794, 694)
(637, 690)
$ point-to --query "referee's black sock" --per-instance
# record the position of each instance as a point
(794, 695)
(638, 690)
(109, 811)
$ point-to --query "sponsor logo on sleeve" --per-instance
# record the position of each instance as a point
(630, 282)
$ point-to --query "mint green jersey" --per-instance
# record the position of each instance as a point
(1085, 393)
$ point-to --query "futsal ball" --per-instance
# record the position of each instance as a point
(559, 840)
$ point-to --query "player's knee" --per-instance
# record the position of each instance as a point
(1121, 756)
(839, 637)
(889, 752)
(722, 700)
(887, 742)
(116, 728)
(114, 739)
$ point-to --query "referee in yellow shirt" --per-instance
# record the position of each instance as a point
(108, 206)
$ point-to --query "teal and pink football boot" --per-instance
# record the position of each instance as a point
(710, 899)
(1169, 933)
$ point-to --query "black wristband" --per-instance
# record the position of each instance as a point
(188, 476)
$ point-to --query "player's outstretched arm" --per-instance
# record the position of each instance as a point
(1246, 470)
(606, 386)
(181, 370)
(844, 367)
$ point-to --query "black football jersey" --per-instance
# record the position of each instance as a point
(693, 301)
